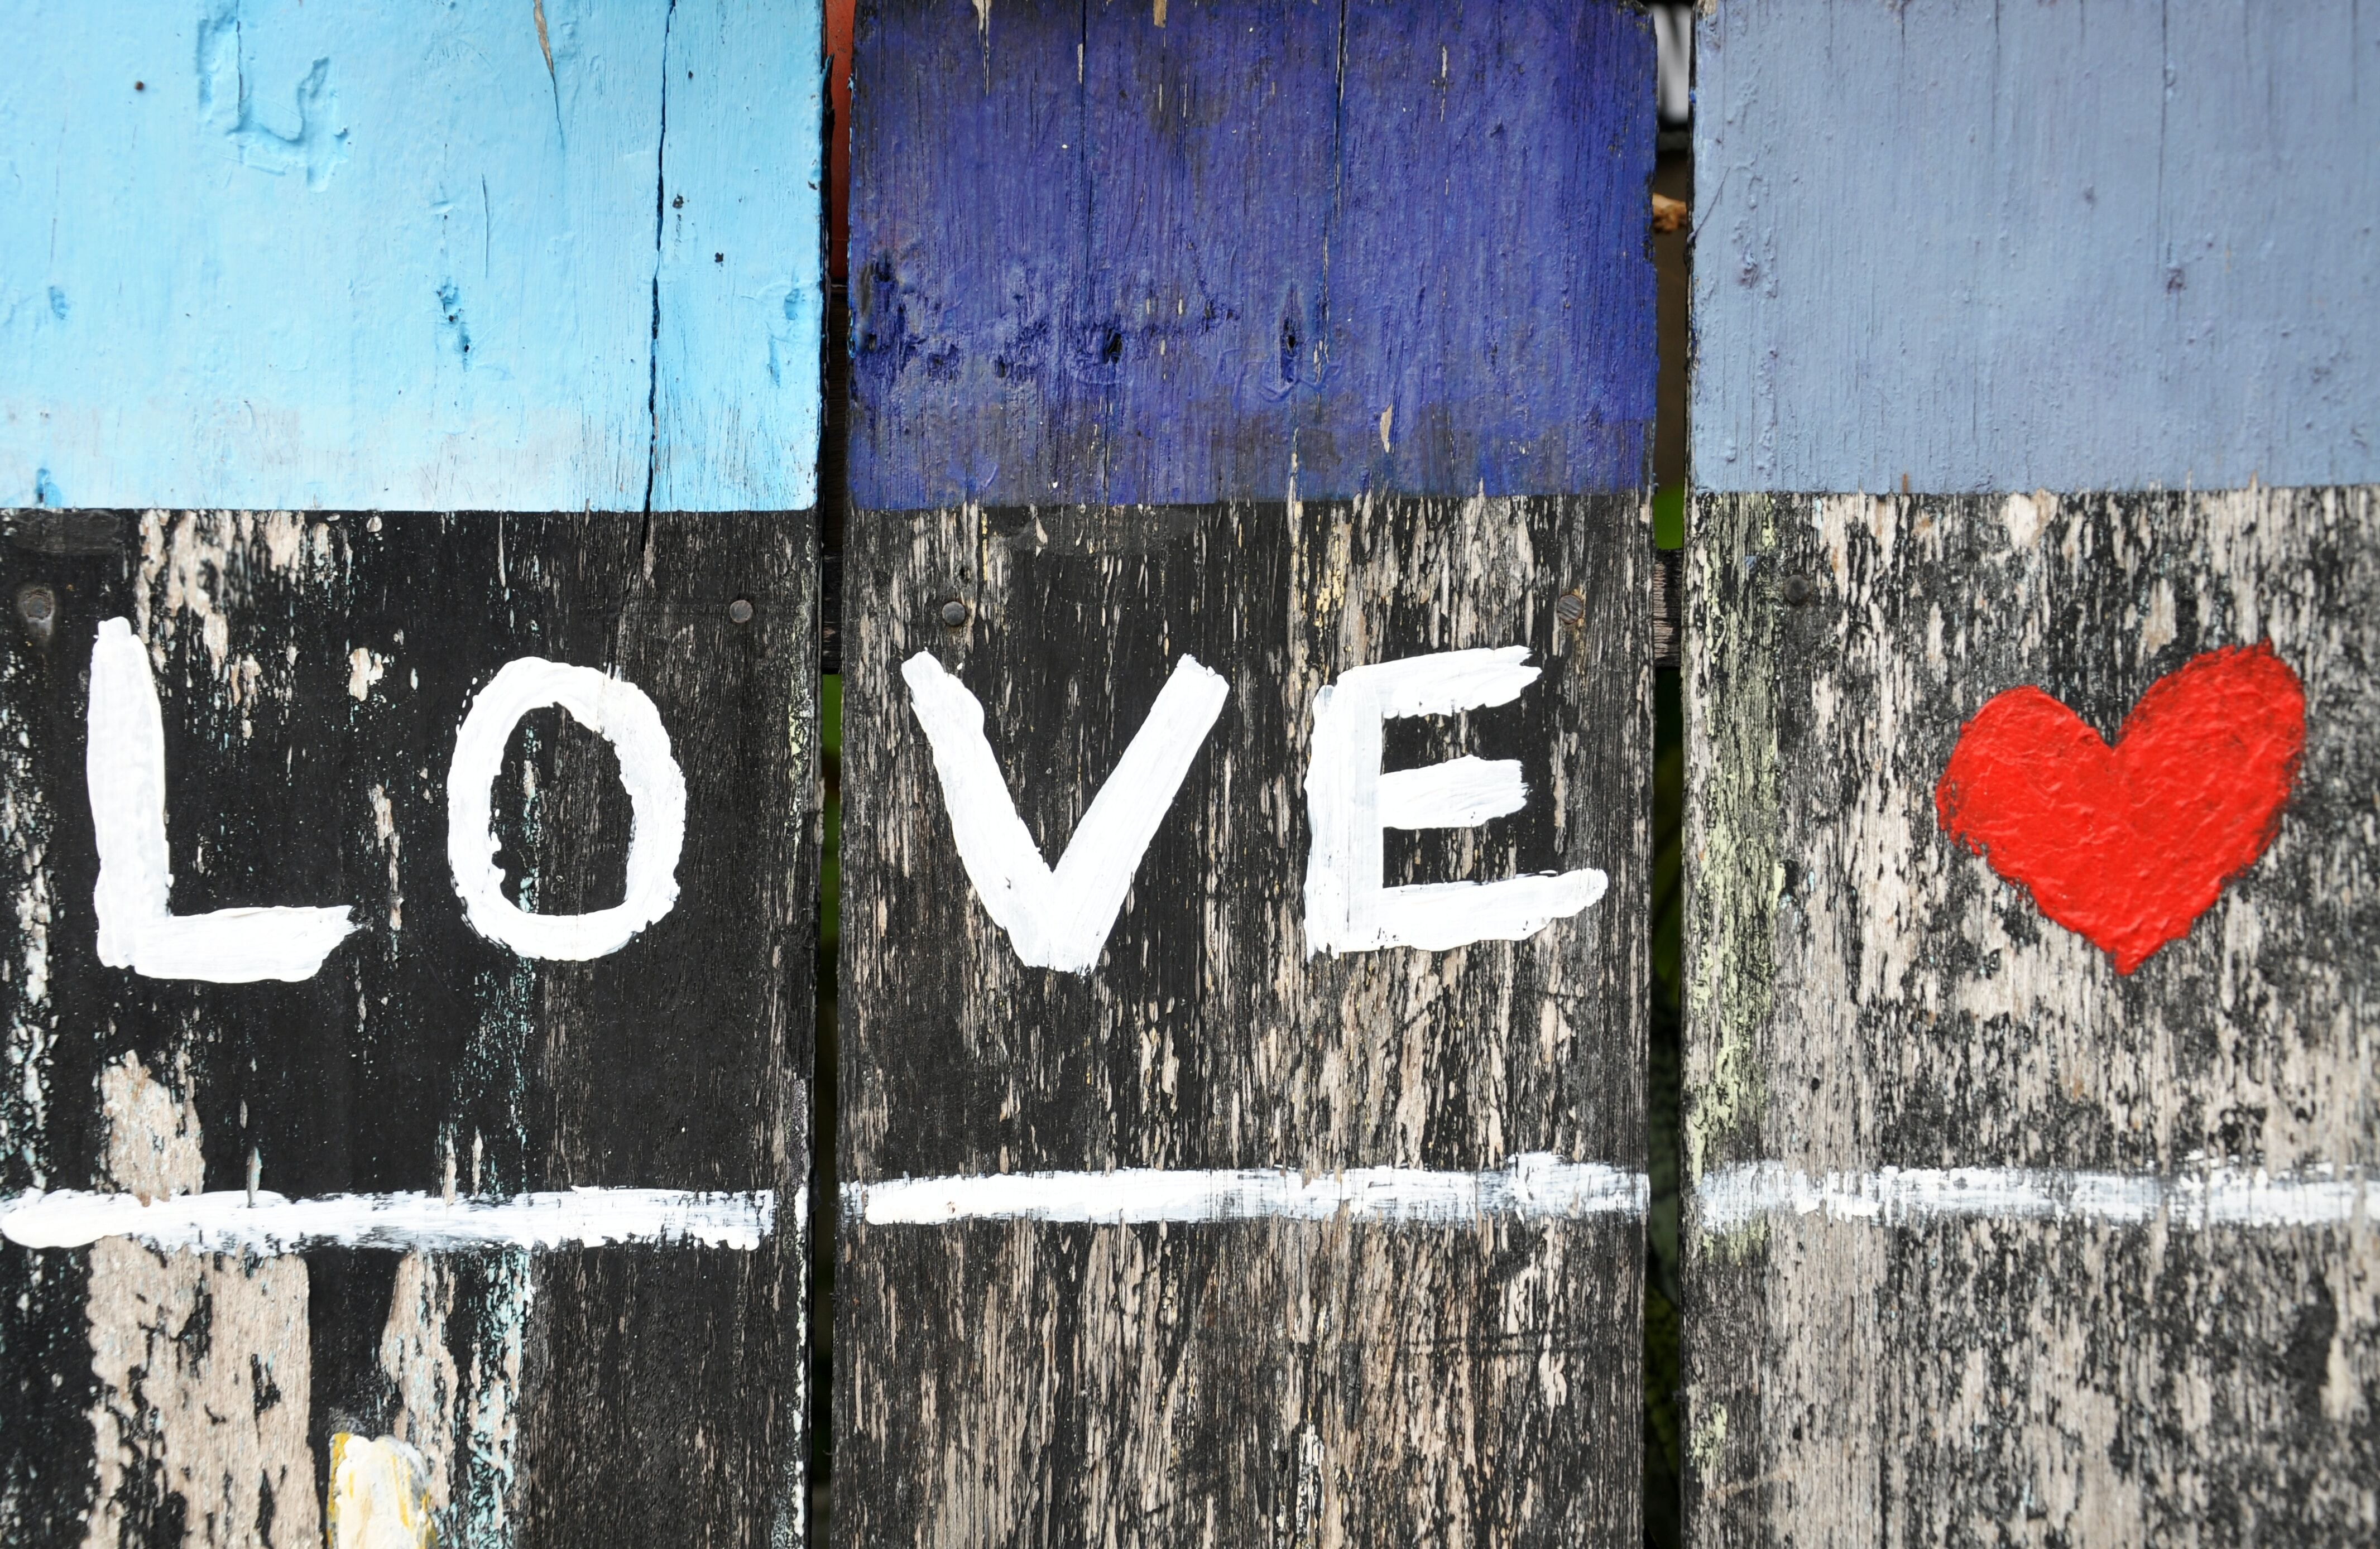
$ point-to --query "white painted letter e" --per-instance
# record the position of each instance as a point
(1349, 802)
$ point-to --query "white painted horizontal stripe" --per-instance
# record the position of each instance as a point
(1736, 1196)
(230, 1221)
(1534, 1187)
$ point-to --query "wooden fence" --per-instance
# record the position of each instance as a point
(1225, 494)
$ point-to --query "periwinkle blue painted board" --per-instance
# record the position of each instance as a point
(2024, 245)
(377, 255)
(1397, 245)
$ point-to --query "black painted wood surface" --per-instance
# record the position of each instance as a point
(313, 670)
(1260, 1381)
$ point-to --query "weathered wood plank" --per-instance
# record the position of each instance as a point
(530, 257)
(312, 673)
(1333, 1381)
(1204, 356)
(2063, 1348)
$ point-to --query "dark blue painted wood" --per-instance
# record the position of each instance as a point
(1391, 246)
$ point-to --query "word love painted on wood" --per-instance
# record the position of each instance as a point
(1058, 917)
(2128, 845)
(1055, 917)
(126, 771)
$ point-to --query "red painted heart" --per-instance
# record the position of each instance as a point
(2128, 845)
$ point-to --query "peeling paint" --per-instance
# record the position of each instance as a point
(203, 1360)
(27, 822)
(365, 669)
(152, 1131)
(416, 1354)
(489, 1442)
(384, 829)
(1730, 841)
(1942, 1147)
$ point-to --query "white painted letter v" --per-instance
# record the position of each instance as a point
(1059, 919)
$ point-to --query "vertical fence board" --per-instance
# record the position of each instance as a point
(311, 671)
(1145, 370)
(1058, 1382)
(435, 1233)
(2002, 1228)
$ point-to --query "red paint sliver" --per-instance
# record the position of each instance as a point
(2128, 845)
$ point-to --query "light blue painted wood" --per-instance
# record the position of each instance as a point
(376, 254)
(2079, 245)
(742, 261)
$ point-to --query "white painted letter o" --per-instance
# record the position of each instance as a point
(615, 709)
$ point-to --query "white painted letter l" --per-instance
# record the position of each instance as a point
(124, 766)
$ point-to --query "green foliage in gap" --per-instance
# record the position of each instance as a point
(1669, 516)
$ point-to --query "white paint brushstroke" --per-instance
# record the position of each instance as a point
(1535, 1186)
(1538, 1186)
(1730, 1198)
(617, 711)
(1460, 793)
(1060, 918)
(124, 767)
(225, 1222)
(1350, 802)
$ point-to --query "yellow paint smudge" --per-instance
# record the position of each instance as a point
(377, 1496)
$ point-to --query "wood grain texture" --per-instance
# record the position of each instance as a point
(1863, 993)
(1106, 254)
(2000, 246)
(530, 256)
(1268, 1381)
(313, 670)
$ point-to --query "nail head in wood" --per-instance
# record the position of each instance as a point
(1570, 608)
(740, 610)
(955, 612)
(37, 608)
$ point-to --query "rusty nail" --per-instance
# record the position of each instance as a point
(1798, 589)
(1570, 608)
(37, 606)
(740, 610)
(955, 612)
